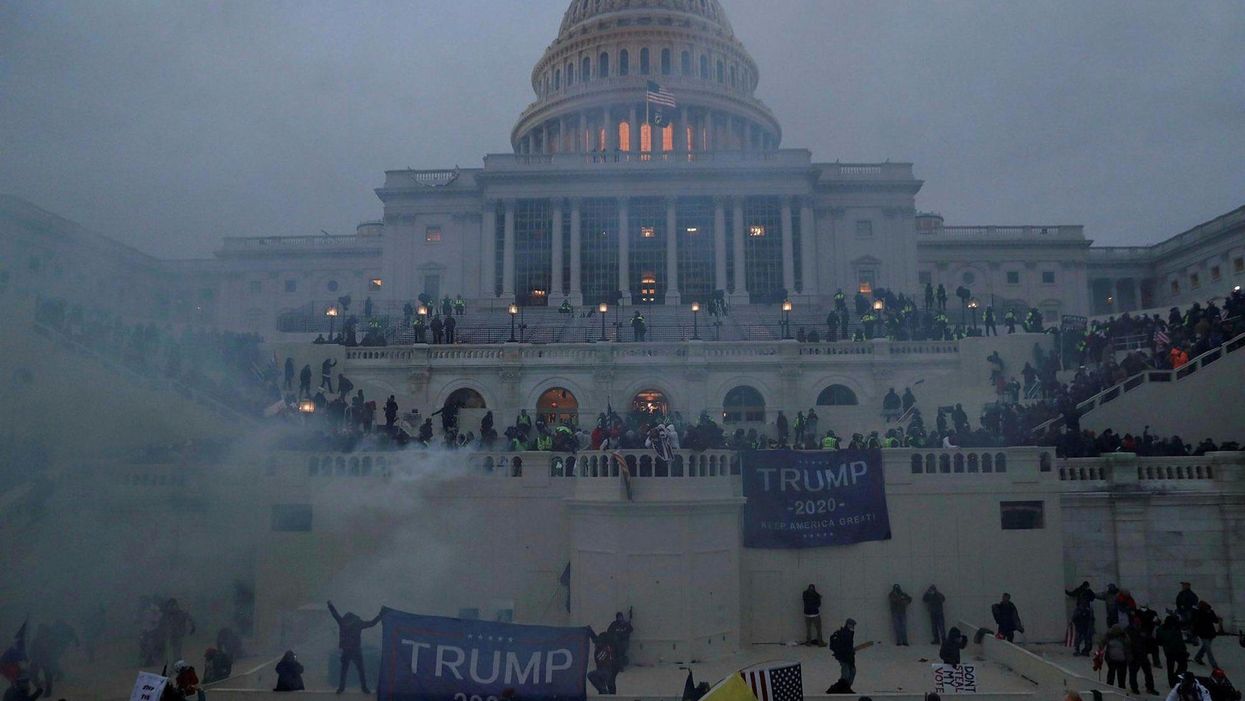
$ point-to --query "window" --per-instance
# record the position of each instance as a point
(685, 61)
(1013, 277)
(256, 287)
(721, 72)
(331, 286)
(375, 284)
(1214, 273)
(1048, 277)
(624, 62)
(570, 74)
(1195, 281)
(644, 61)
(1022, 515)
(837, 395)
(968, 277)
(756, 230)
(925, 278)
(647, 232)
(866, 279)
(1175, 287)
(864, 229)
(585, 70)
(291, 285)
(733, 71)
(432, 234)
(557, 79)
(291, 517)
(1238, 265)
(763, 273)
(665, 61)
(743, 403)
(603, 65)
(704, 67)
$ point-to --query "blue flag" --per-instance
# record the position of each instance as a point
(430, 658)
(808, 499)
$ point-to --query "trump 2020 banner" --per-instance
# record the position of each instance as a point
(809, 499)
(430, 658)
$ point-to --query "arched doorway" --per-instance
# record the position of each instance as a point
(743, 403)
(557, 405)
(837, 395)
(650, 401)
(466, 406)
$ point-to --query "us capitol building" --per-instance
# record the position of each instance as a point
(613, 196)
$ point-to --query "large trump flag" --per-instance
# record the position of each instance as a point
(430, 658)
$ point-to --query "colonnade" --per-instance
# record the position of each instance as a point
(693, 129)
(572, 289)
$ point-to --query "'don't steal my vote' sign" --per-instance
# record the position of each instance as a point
(148, 687)
(432, 658)
(955, 679)
(810, 499)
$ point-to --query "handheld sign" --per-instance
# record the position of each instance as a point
(955, 679)
(430, 658)
(148, 687)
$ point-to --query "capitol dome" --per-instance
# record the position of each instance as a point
(592, 81)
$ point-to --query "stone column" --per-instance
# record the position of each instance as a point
(808, 247)
(545, 146)
(488, 241)
(680, 136)
(611, 130)
(1137, 294)
(577, 295)
(507, 253)
(633, 132)
(740, 295)
(555, 291)
(672, 253)
(719, 245)
(624, 235)
(581, 133)
(788, 247)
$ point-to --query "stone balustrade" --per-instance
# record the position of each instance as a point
(1209, 472)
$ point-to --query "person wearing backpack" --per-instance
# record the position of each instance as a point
(843, 647)
(1171, 640)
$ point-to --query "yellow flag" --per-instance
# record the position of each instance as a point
(733, 688)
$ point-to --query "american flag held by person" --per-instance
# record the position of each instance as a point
(775, 681)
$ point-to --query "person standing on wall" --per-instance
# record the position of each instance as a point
(350, 642)
(934, 601)
(899, 601)
(812, 616)
(1007, 618)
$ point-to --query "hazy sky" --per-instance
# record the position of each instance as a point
(171, 125)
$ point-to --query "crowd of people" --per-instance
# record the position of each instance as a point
(228, 367)
(1136, 634)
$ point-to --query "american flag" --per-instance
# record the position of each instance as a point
(775, 681)
(660, 96)
(1160, 338)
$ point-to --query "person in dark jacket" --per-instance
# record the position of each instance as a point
(1007, 618)
(949, 652)
(391, 412)
(1139, 660)
(1205, 626)
(1109, 600)
(1083, 624)
(217, 665)
(934, 601)
(304, 382)
(1220, 687)
(620, 631)
(812, 616)
(605, 656)
(326, 374)
(450, 323)
(843, 647)
(350, 641)
(898, 600)
(289, 673)
(1082, 594)
(438, 329)
(21, 691)
(1186, 603)
(1171, 638)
